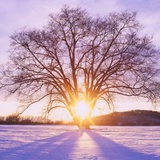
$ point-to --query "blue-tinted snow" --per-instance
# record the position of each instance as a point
(68, 143)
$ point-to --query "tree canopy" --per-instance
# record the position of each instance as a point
(79, 57)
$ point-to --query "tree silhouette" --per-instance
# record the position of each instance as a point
(78, 57)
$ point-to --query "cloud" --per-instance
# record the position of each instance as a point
(15, 14)
(148, 13)
(100, 7)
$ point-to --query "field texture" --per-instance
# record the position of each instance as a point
(68, 143)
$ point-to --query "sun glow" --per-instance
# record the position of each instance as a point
(82, 109)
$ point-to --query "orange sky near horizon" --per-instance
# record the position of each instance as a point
(9, 107)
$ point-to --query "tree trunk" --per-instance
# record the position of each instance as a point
(82, 123)
(86, 123)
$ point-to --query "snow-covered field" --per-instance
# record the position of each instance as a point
(68, 143)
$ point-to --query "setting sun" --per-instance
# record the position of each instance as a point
(82, 109)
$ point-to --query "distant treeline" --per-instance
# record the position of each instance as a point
(13, 119)
(129, 118)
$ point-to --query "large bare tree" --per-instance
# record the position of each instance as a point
(81, 58)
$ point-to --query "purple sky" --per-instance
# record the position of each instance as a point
(16, 14)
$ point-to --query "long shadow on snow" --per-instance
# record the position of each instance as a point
(46, 149)
(63, 146)
(111, 150)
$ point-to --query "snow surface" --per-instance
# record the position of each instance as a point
(68, 143)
